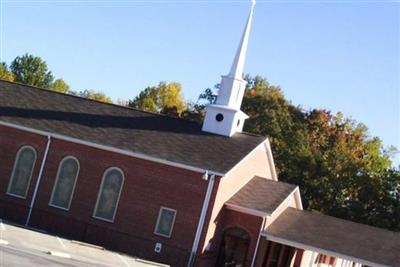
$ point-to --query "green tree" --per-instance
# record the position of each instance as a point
(376, 200)
(31, 70)
(147, 100)
(94, 95)
(60, 86)
(5, 73)
(194, 112)
(171, 99)
(166, 98)
(341, 171)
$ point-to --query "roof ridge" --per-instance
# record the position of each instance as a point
(97, 101)
(252, 134)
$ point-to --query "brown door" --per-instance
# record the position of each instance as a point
(234, 248)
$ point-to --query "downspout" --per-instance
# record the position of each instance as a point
(202, 218)
(258, 242)
(38, 180)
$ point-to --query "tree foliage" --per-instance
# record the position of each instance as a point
(166, 98)
(5, 73)
(196, 111)
(31, 70)
(341, 171)
(147, 100)
(332, 158)
(60, 86)
(94, 95)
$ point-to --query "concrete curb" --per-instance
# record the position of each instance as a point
(151, 262)
(86, 244)
(59, 254)
(34, 229)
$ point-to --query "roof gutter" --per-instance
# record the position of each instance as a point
(108, 148)
(39, 178)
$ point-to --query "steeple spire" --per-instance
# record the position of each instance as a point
(225, 117)
(238, 63)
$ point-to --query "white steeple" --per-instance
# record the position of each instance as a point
(238, 62)
(225, 117)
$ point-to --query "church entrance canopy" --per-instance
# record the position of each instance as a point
(335, 237)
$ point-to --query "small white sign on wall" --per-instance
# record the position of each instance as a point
(158, 247)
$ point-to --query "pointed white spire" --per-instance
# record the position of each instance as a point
(225, 117)
(238, 63)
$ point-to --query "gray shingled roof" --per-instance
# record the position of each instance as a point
(158, 136)
(262, 195)
(354, 240)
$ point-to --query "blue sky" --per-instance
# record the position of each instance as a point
(339, 55)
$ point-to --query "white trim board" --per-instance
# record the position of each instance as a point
(320, 250)
(246, 210)
(297, 197)
(271, 159)
(110, 149)
(285, 201)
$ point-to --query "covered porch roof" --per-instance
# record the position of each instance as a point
(336, 237)
(261, 196)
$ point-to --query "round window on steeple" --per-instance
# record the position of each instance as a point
(219, 117)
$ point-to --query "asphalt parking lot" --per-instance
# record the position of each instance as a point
(21, 247)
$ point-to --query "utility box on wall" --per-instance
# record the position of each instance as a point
(158, 247)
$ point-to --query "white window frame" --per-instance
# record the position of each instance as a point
(101, 189)
(158, 222)
(14, 169)
(56, 181)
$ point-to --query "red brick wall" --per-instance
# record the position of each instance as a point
(255, 164)
(11, 141)
(147, 186)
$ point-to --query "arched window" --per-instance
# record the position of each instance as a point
(22, 172)
(64, 185)
(108, 197)
(234, 247)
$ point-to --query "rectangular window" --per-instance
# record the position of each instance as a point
(165, 222)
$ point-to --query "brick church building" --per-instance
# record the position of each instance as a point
(166, 189)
